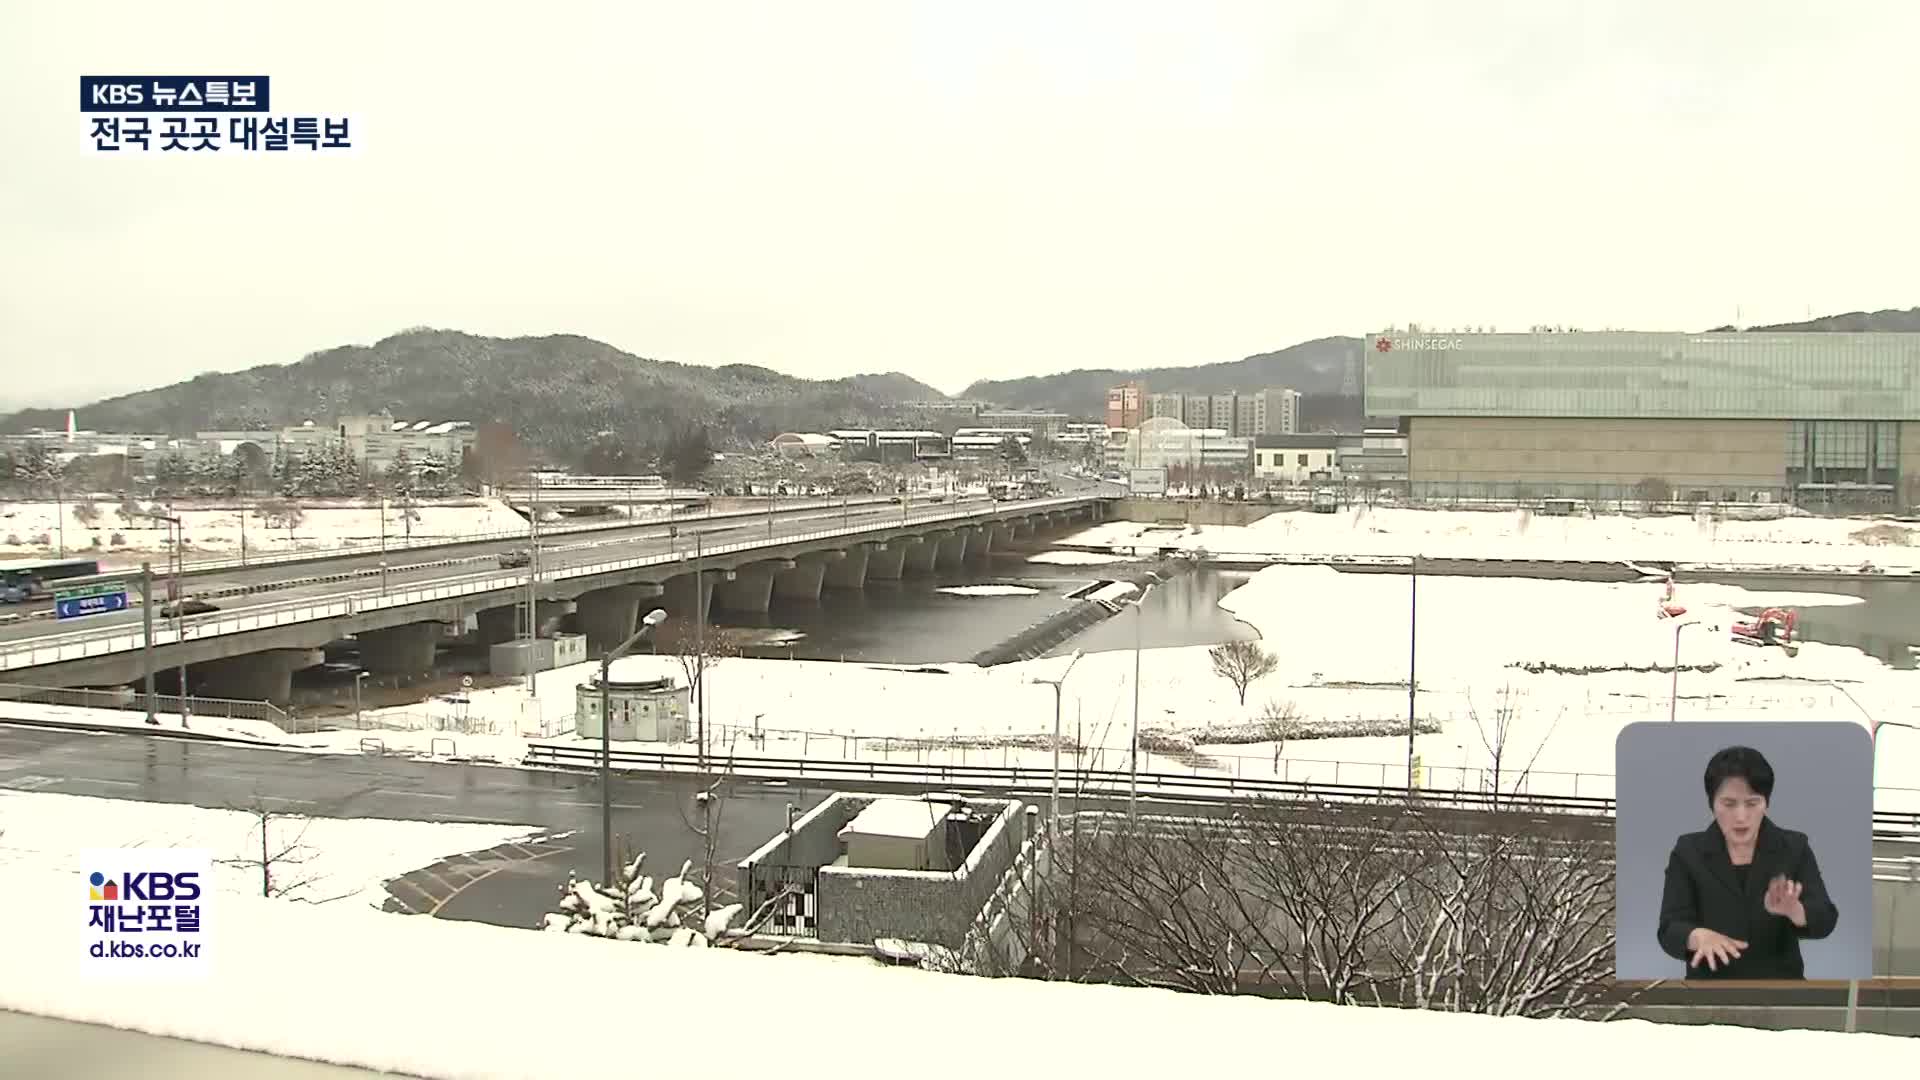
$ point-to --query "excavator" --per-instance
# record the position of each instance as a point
(1774, 626)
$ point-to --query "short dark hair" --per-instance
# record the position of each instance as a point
(1739, 763)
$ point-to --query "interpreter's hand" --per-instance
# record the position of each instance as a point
(1712, 948)
(1783, 899)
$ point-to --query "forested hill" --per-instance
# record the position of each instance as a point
(552, 391)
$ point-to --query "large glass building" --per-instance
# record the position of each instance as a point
(1735, 417)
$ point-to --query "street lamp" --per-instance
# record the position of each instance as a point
(1053, 809)
(1133, 742)
(653, 618)
(176, 535)
(1673, 700)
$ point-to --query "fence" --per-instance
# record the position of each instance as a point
(121, 637)
(163, 705)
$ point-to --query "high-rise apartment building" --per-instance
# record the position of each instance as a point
(1126, 405)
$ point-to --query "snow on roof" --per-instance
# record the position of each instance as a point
(398, 425)
(422, 425)
(909, 819)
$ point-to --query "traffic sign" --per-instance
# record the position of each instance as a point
(466, 682)
(77, 603)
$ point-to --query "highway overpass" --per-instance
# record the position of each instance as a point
(266, 630)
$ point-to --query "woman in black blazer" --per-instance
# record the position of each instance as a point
(1742, 893)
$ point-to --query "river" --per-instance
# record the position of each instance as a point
(917, 622)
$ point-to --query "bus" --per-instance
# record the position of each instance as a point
(28, 579)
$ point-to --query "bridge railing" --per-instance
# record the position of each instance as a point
(1102, 782)
(125, 637)
(403, 543)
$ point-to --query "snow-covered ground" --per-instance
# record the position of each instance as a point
(471, 1017)
(213, 527)
(1341, 641)
(1844, 543)
(1074, 558)
(990, 590)
(316, 860)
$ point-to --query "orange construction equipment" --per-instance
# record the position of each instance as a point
(1774, 626)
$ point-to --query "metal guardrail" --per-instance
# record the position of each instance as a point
(1104, 781)
(121, 637)
(195, 567)
(163, 704)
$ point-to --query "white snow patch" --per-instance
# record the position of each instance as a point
(1801, 541)
(338, 859)
(1074, 558)
(989, 590)
(258, 944)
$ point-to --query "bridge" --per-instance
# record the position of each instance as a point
(398, 614)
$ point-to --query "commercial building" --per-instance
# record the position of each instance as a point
(1654, 417)
(892, 446)
(1035, 424)
(374, 439)
(1188, 453)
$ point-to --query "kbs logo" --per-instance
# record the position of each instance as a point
(147, 912)
(144, 887)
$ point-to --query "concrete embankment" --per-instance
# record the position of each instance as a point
(1061, 626)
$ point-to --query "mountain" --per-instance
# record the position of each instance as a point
(894, 386)
(1318, 369)
(554, 392)
(1891, 320)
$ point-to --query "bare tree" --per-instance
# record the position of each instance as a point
(1241, 662)
(1351, 903)
(1279, 722)
(1502, 775)
(697, 649)
(277, 850)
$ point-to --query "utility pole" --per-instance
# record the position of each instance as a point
(700, 654)
(1413, 645)
(533, 578)
(146, 634)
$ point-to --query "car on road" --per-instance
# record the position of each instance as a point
(180, 609)
(515, 559)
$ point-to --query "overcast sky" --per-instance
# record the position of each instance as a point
(957, 190)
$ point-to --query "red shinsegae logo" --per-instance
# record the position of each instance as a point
(1383, 345)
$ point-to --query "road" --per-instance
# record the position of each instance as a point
(42, 1048)
(418, 566)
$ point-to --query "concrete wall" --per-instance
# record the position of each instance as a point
(862, 905)
(1711, 454)
(1191, 511)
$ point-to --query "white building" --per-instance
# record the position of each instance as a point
(1295, 460)
(1166, 443)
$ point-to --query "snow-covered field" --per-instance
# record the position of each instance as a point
(1844, 543)
(316, 860)
(213, 528)
(1341, 641)
(470, 1020)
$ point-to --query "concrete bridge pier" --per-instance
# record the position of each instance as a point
(953, 548)
(999, 537)
(399, 650)
(804, 580)
(497, 625)
(608, 616)
(261, 676)
(921, 560)
(979, 543)
(548, 613)
(678, 596)
(751, 589)
(850, 571)
(888, 561)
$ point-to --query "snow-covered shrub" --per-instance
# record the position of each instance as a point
(632, 910)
